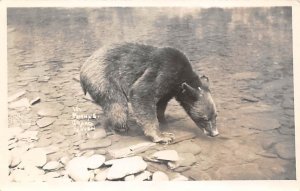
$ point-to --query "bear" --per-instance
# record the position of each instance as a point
(147, 77)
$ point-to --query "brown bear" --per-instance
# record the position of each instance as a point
(147, 77)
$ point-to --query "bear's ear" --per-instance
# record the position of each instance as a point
(204, 82)
(189, 90)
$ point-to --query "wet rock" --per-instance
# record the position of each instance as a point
(180, 177)
(35, 100)
(159, 176)
(98, 133)
(16, 96)
(166, 155)
(125, 166)
(285, 150)
(77, 169)
(245, 154)
(101, 175)
(186, 147)
(240, 172)
(24, 102)
(131, 150)
(44, 122)
(52, 165)
(49, 112)
(36, 157)
(95, 144)
(129, 178)
(185, 159)
(95, 161)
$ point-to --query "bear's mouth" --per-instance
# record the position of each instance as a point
(208, 128)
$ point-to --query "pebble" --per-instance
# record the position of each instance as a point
(49, 112)
(44, 122)
(35, 100)
(167, 155)
(36, 157)
(94, 144)
(159, 176)
(98, 133)
(95, 161)
(125, 166)
(52, 165)
(77, 169)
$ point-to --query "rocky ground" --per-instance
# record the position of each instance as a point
(57, 134)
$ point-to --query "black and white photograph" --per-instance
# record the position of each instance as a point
(150, 94)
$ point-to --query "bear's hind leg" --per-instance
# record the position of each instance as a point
(117, 115)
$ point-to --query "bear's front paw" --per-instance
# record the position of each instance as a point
(165, 138)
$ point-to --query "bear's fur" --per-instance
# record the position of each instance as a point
(147, 77)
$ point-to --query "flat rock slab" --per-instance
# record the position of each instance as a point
(166, 155)
(160, 176)
(98, 133)
(45, 121)
(36, 157)
(125, 166)
(186, 147)
(77, 169)
(16, 96)
(95, 161)
(24, 102)
(49, 112)
(95, 144)
(131, 150)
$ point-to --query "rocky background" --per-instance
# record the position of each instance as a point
(56, 133)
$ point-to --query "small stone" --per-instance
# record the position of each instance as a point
(16, 96)
(43, 79)
(182, 169)
(159, 176)
(49, 112)
(98, 133)
(95, 161)
(94, 144)
(44, 122)
(52, 165)
(36, 157)
(167, 155)
(125, 166)
(24, 102)
(35, 100)
(129, 178)
(77, 169)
